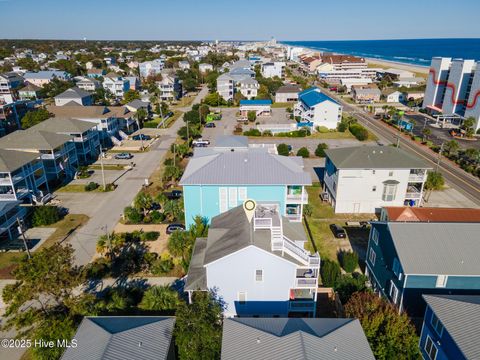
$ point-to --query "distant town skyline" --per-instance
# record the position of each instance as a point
(254, 20)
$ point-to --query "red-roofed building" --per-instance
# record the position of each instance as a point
(424, 214)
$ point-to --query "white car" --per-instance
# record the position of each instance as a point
(200, 142)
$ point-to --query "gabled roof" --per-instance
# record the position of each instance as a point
(431, 214)
(437, 248)
(64, 125)
(32, 139)
(89, 112)
(288, 89)
(374, 157)
(314, 96)
(231, 141)
(294, 338)
(122, 338)
(137, 104)
(11, 160)
(46, 74)
(73, 93)
(460, 317)
(243, 167)
(30, 87)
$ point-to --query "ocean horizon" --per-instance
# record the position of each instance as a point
(408, 51)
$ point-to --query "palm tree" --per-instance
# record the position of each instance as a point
(172, 210)
(141, 115)
(160, 298)
(452, 147)
(426, 132)
(143, 202)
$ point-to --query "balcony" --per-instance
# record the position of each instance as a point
(298, 198)
(5, 181)
(416, 177)
(413, 193)
(11, 196)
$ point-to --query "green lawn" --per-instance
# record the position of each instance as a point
(283, 105)
(184, 101)
(107, 167)
(63, 228)
(332, 135)
(154, 123)
(74, 188)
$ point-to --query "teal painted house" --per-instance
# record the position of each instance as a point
(407, 260)
(224, 176)
(451, 327)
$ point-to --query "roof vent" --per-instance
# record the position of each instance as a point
(335, 349)
(232, 150)
(139, 344)
(258, 340)
(245, 160)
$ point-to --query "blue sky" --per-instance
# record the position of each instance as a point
(238, 20)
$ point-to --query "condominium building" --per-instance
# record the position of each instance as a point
(453, 89)
(317, 109)
(149, 68)
(9, 84)
(273, 69)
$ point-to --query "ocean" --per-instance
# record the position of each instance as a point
(413, 51)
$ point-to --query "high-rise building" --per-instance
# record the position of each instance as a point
(453, 89)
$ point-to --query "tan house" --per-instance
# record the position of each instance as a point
(365, 94)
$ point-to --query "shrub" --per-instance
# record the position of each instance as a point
(267, 133)
(303, 152)
(98, 269)
(330, 272)
(348, 260)
(149, 236)
(435, 181)
(252, 116)
(308, 210)
(347, 285)
(320, 150)
(132, 215)
(283, 149)
(45, 215)
(109, 187)
(295, 133)
(157, 217)
(252, 132)
(162, 266)
(91, 186)
(359, 132)
(342, 126)
(322, 129)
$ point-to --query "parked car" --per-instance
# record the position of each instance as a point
(338, 231)
(174, 194)
(210, 125)
(123, 156)
(141, 137)
(175, 227)
(200, 142)
(169, 115)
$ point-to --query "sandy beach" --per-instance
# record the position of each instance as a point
(420, 70)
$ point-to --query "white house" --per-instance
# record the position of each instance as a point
(170, 87)
(287, 93)
(248, 87)
(257, 264)
(184, 65)
(116, 85)
(225, 86)
(364, 179)
(74, 96)
(272, 69)
(316, 108)
(204, 67)
(394, 96)
(89, 84)
(148, 68)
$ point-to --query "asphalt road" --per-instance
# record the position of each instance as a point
(464, 182)
(109, 207)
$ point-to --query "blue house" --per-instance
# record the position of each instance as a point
(451, 327)
(221, 178)
(407, 260)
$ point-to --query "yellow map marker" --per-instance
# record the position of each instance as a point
(249, 208)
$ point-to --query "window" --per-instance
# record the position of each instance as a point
(393, 292)
(436, 324)
(389, 191)
(396, 269)
(242, 194)
(430, 348)
(390, 173)
(242, 298)
(441, 281)
(372, 256)
(373, 172)
(232, 197)
(375, 235)
(258, 275)
(223, 199)
(374, 188)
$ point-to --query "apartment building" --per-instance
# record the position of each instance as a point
(10, 83)
(218, 179)
(364, 179)
(226, 87)
(453, 89)
(317, 109)
(257, 262)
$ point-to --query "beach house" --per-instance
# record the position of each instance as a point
(220, 178)
(317, 109)
(258, 265)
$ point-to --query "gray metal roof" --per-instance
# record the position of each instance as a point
(64, 125)
(460, 316)
(228, 233)
(8, 205)
(73, 93)
(437, 248)
(137, 104)
(231, 141)
(374, 157)
(244, 167)
(32, 139)
(11, 160)
(294, 338)
(122, 338)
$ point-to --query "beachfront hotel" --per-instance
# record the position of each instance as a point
(453, 90)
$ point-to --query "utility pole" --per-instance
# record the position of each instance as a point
(20, 229)
(439, 157)
(103, 170)
(398, 141)
(174, 155)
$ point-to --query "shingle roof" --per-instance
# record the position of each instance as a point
(374, 157)
(314, 96)
(437, 248)
(11, 160)
(33, 139)
(243, 167)
(460, 316)
(73, 93)
(122, 338)
(294, 338)
(46, 74)
(288, 89)
(30, 87)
